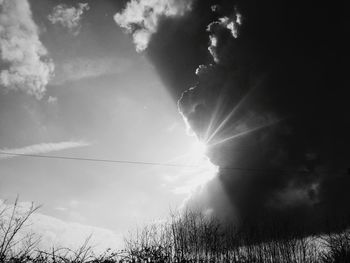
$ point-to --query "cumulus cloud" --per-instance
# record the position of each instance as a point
(69, 17)
(25, 65)
(42, 148)
(141, 17)
(274, 95)
(216, 29)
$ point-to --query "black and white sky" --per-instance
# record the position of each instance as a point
(260, 84)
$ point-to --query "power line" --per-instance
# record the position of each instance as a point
(247, 169)
(95, 159)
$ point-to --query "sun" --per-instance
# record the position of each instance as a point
(196, 169)
(202, 171)
(199, 148)
(198, 151)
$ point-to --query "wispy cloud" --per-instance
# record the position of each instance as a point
(69, 17)
(83, 68)
(42, 148)
(23, 58)
(141, 18)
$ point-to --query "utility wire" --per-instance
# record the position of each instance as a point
(94, 159)
(151, 163)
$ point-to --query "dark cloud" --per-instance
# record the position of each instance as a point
(273, 71)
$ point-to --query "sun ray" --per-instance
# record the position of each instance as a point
(245, 132)
(213, 118)
(230, 114)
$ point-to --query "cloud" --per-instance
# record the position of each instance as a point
(216, 29)
(43, 148)
(54, 232)
(83, 68)
(25, 64)
(141, 17)
(274, 97)
(69, 17)
(52, 100)
(60, 233)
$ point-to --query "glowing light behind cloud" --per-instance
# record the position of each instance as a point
(199, 168)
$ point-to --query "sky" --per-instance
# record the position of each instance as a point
(72, 84)
(258, 83)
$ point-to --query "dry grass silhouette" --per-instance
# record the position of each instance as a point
(187, 237)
